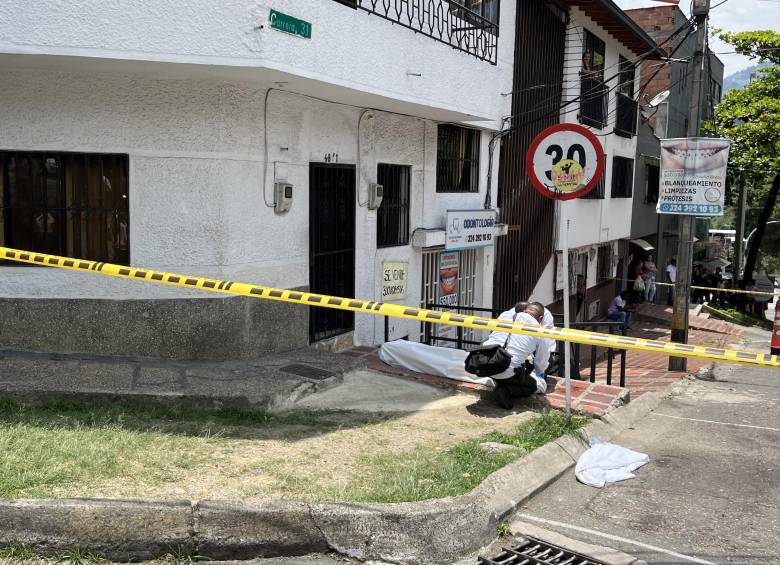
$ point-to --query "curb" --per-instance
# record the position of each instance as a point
(411, 533)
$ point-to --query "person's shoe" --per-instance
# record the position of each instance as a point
(503, 398)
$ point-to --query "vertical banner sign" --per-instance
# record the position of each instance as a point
(564, 162)
(394, 280)
(693, 176)
(448, 279)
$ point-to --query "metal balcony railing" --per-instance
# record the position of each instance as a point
(593, 102)
(625, 121)
(447, 21)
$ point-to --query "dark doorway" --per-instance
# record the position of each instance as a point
(331, 245)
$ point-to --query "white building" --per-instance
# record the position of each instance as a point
(600, 88)
(154, 134)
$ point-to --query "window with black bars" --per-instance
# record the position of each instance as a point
(68, 204)
(457, 159)
(487, 9)
(622, 177)
(392, 220)
(604, 263)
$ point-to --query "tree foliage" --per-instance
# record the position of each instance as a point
(750, 118)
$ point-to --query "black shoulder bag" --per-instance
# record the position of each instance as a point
(489, 360)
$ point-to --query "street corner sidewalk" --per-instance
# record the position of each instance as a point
(594, 399)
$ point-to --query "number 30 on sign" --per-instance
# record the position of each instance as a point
(565, 161)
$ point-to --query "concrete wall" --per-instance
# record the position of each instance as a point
(349, 50)
(197, 160)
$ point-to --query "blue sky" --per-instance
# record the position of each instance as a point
(733, 15)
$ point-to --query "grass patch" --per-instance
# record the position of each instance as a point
(742, 317)
(16, 553)
(61, 444)
(424, 474)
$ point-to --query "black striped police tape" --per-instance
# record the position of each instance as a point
(393, 310)
(711, 289)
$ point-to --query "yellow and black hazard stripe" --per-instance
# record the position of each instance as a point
(711, 289)
(394, 310)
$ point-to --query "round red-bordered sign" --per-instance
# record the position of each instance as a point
(565, 161)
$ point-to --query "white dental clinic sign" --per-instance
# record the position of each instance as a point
(468, 229)
(693, 176)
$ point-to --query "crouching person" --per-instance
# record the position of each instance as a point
(530, 356)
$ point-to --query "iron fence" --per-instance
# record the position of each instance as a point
(446, 21)
(578, 371)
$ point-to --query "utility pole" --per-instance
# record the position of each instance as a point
(699, 10)
(739, 239)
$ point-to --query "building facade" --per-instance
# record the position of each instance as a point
(243, 140)
(653, 233)
(594, 82)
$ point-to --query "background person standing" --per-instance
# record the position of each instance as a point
(671, 276)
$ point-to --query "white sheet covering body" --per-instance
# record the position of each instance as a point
(441, 361)
(606, 463)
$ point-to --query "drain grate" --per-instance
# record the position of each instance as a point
(308, 372)
(536, 552)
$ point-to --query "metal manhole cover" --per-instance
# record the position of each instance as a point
(307, 372)
(536, 552)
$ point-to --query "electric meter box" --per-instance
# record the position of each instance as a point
(375, 193)
(283, 192)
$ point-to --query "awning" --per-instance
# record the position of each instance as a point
(717, 262)
(643, 244)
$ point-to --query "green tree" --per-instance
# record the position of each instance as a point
(749, 117)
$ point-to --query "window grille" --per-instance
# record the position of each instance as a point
(457, 159)
(392, 224)
(70, 204)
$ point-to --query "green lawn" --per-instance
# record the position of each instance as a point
(73, 448)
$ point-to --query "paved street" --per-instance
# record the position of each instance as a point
(711, 492)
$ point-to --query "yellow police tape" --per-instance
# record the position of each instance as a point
(393, 310)
(729, 290)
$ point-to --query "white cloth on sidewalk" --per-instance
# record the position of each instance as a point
(440, 361)
(606, 463)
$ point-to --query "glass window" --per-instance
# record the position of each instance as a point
(622, 177)
(457, 159)
(593, 57)
(627, 75)
(65, 204)
(392, 222)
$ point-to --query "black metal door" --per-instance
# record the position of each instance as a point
(331, 245)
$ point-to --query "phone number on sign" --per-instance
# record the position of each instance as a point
(479, 237)
(691, 208)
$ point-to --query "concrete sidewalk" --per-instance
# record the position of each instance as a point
(269, 383)
(711, 492)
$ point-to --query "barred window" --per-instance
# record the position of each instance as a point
(622, 177)
(457, 159)
(392, 219)
(65, 204)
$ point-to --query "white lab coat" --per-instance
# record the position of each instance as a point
(521, 347)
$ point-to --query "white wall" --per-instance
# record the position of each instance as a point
(196, 166)
(595, 221)
(351, 49)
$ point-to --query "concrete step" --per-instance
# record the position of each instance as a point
(268, 383)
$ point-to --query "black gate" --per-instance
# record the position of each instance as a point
(331, 245)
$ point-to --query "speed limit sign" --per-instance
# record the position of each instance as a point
(565, 161)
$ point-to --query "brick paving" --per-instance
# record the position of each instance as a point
(644, 371)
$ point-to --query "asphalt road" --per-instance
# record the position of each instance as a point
(711, 492)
